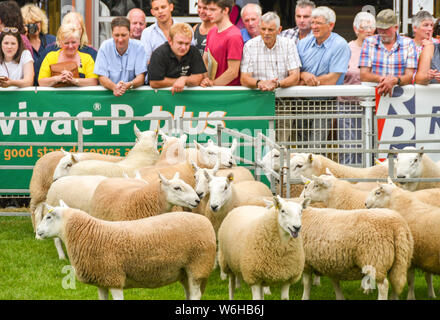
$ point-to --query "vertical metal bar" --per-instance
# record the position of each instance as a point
(257, 145)
(219, 135)
(80, 135)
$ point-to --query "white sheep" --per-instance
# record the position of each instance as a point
(207, 156)
(173, 150)
(144, 153)
(262, 246)
(129, 199)
(43, 174)
(146, 253)
(357, 244)
(416, 165)
(424, 221)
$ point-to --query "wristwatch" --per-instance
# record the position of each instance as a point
(131, 85)
(398, 81)
(258, 81)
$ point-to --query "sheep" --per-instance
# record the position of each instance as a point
(143, 153)
(128, 199)
(146, 253)
(173, 150)
(207, 156)
(43, 173)
(262, 246)
(424, 221)
(356, 244)
(416, 165)
(225, 196)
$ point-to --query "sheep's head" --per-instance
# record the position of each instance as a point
(51, 225)
(289, 215)
(145, 140)
(220, 189)
(178, 192)
(271, 160)
(409, 165)
(173, 148)
(64, 165)
(380, 196)
(318, 188)
(301, 164)
(209, 154)
(202, 184)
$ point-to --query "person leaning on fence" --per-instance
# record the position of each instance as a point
(251, 16)
(137, 23)
(68, 39)
(16, 63)
(387, 58)
(429, 64)
(303, 21)
(269, 60)
(121, 62)
(201, 29)
(436, 33)
(176, 63)
(224, 47)
(423, 27)
(364, 25)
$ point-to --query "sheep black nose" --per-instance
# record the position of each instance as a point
(197, 201)
(297, 228)
(200, 195)
(214, 208)
(401, 177)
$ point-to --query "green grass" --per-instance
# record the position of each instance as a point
(30, 269)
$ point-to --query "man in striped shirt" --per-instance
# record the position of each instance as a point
(269, 60)
(387, 58)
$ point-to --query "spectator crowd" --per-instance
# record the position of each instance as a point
(227, 48)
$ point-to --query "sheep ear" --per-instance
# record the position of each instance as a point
(164, 136)
(305, 202)
(210, 142)
(305, 180)
(194, 165)
(137, 132)
(125, 175)
(137, 175)
(198, 145)
(182, 139)
(277, 202)
(64, 151)
(328, 172)
(268, 203)
(377, 161)
(310, 158)
(217, 166)
(314, 177)
(48, 206)
(75, 158)
(230, 177)
(63, 204)
(421, 153)
(390, 181)
(163, 180)
(207, 175)
(176, 175)
(234, 145)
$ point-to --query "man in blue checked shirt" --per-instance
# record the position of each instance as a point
(387, 58)
(121, 62)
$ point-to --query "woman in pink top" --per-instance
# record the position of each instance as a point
(364, 25)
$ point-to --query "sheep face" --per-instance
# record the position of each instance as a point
(380, 196)
(211, 154)
(409, 165)
(64, 165)
(173, 148)
(220, 189)
(202, 183)
(146, 139)
(318, 189)
(51, 225)
(301, 164)
(289, 215)
(178, 192)
(271, 161)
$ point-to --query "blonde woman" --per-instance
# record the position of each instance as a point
(68, 39)
(36, 23)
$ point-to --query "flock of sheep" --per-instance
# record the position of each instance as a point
(151, 219)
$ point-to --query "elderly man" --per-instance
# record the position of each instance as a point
(251, 15)
(387, 58)
(176, 63)
(137, 23)
(269, 60)
(121, 62)
(303, 20)
(423, 28)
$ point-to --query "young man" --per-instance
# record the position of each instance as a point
(176, 63)
(121, 61)
(224, 45)
(303, 20)
(201, 29)
(158, 33)
(137, 23)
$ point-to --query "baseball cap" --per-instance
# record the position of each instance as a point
(386, 19)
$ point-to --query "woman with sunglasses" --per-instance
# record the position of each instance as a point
(16, 63)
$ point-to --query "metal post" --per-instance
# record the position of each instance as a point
(368, 104)
(80, 135)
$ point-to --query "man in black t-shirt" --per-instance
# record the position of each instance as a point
(176, 63)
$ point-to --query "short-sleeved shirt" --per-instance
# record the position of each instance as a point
(200, 40)
(152, 37)
(164, 63)
(330, 56)
(435, 62)
(116, 67)
(14, 70)
(224, 46)
(265, 64)
(245, 34)
(385, 62)
(85, 69)
(46, 40)
(292, 33)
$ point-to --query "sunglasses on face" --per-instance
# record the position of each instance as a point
(9, 29)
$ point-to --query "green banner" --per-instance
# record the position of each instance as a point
(102, 103)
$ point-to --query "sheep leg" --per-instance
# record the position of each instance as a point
(194, 289)
(59, 246)
(266, 290)
(316, 280)
(284, 291)
(257, 292)
(238, 282)
(337, 288)
(307, 284)
(117, 294)
(429, 279)
(232, 283)
(102, 293)
(383, 290)
(410, 278)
